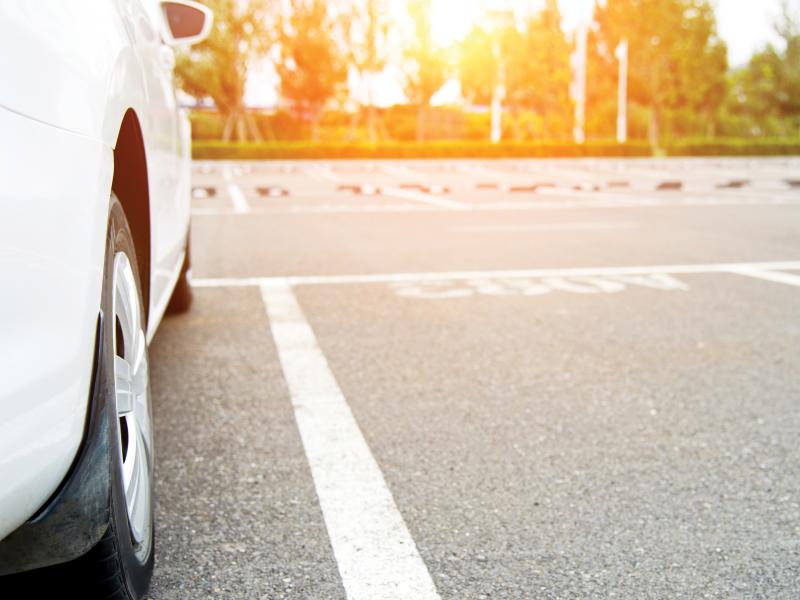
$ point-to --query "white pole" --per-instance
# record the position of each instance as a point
(579, 85)
(622, 92)
(497, 125)
(499, 19)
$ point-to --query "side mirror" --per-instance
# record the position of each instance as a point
(186, 22)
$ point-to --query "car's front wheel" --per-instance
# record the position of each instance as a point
(115, 479)
(121, 565)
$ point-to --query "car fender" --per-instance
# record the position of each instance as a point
(60, 125)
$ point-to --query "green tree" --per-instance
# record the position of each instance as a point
(217, 68)
(677, 63)
(538, 73)
(765, 95)
(601, 92)
(311, 65)
(366, 25)
(533, 63)
(426, 65)
(478, 66)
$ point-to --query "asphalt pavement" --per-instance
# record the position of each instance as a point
(484, 379)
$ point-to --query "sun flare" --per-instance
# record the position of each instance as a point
(452, 19)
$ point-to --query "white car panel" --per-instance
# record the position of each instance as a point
(166, 166)
(59, 56)
(52, 275)
(178, 213)
(71, 71)
(84, 80)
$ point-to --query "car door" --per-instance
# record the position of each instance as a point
(166, 156)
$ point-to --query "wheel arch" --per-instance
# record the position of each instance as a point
(131, 186)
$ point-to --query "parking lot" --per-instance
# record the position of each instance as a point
(484, 379)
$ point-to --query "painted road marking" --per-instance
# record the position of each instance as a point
(400, 171)
(240, 204)
(320, 209)
(430, 199)
(449, 289)
(482, 170)
(324, 174)
(697, 269)
(769, 275)
(616, 198)
(522, 227)
(376, 556)
(435, 203)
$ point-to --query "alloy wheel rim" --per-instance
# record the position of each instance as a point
(132, 394)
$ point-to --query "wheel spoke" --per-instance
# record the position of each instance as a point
(137, 492)
(123, 314)
(132, 471)
(131, 377)
(130, 300)
(142, 411)
(139, 364)
(124, 386)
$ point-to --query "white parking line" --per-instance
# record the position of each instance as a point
(319, 209)
(430, 199)
(614, 198)
(522, 227)
(769, 275)
(748, 269)
(482, 170)
(400, 171)
(376, 556)
(437, 203)
(324, 174)
(240, 204)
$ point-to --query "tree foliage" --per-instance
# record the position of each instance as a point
(679, 84)
(677, 63)
(426, 64)
(367, 25)
(533, 63)
(538, 73)
(217, 68)
(478, 66)
(765, 95)
(311, 65)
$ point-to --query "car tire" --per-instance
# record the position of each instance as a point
(181, 300)
(120, 566)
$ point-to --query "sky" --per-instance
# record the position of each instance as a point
(745, 25)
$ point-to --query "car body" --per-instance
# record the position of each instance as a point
(87, 112)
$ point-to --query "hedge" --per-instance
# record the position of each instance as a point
(306, 150)
(398, 123)
(733, 147)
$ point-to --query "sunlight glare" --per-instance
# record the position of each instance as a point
(452, 19)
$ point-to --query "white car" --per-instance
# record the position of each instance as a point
(94, 240)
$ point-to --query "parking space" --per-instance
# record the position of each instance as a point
(453, 387)
(230, 466)
(578, 443)
(401, 186)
